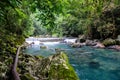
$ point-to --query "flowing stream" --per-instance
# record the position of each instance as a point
(89, 63)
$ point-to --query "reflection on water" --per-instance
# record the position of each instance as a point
(89, 63)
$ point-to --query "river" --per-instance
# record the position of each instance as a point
(89, 63)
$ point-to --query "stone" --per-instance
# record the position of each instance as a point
(82, 40)
(90, 43)
(43, 47)
(76, 45)
(94, 64)
(55, 67)
(99, 45)
(109, 42)
(61, 69)
(116, 47)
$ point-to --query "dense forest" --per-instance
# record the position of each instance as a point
(19, 19)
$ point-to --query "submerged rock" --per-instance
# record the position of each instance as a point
(94, 64)
(76, 45)
(59, 50)
(43, 47)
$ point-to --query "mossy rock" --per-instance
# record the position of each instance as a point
(27, 76)
(109, 42)
(43, 47)
(38, 57)
(55, 67)
(60, 69)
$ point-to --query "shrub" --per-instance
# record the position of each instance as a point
(109, 42)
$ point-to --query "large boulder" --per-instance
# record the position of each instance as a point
(31, 67)
(55, 67)
(60, 68)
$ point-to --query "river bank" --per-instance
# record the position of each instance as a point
(39, 68)
(79, 42)
(36, 67)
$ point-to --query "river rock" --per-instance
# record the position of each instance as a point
(110, 42)
(116, 47)
(99, 45)
(91, 43)
(76, 45)
(43, 47)
(58, 50)
(94, 64)
(80, 40)
(60, 68)
(55, 67)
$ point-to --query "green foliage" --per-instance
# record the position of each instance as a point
(109, 42)
(48, 10)
(79, 15)
(95, 18)
(107, 25)
(27, 76)
(39, 29)
(62, 69)
(15, 25)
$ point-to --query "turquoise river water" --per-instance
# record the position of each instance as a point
(89, 63)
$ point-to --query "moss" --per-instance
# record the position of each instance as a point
(38, 57)
(55, 67)
(62, 69)
(43, 47)
(27, 76)
(109, 42)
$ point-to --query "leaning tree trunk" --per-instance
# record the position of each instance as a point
(15, 74)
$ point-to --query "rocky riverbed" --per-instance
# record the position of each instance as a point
(107, 43)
